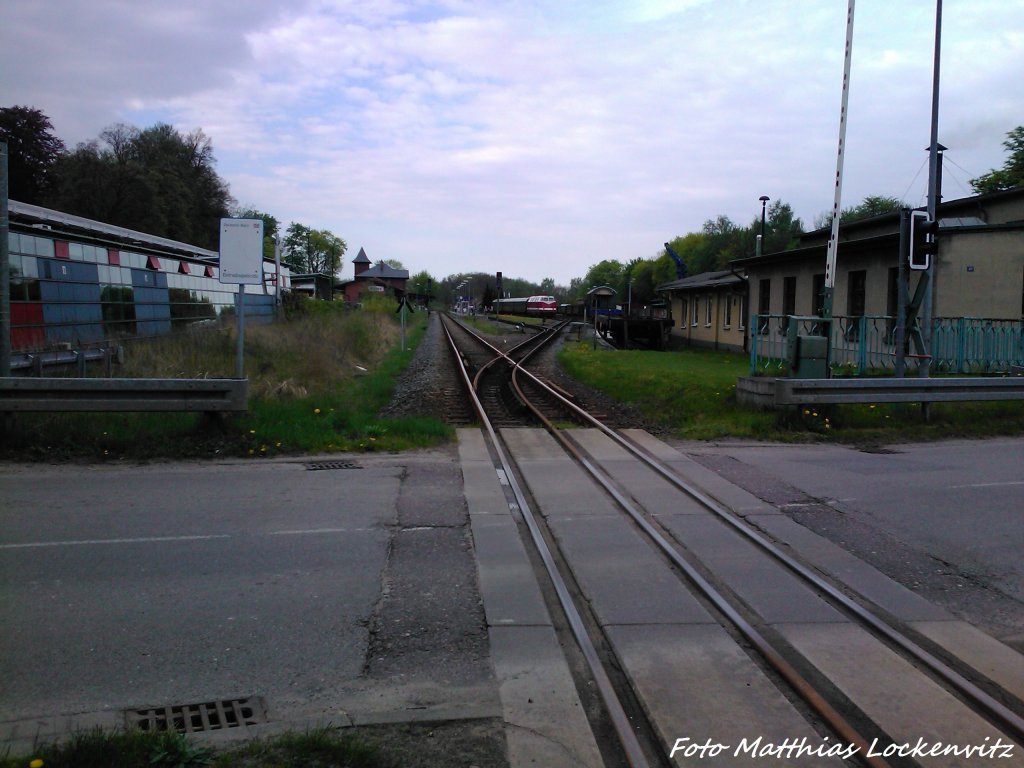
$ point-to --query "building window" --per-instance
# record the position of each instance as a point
(729, 299)
(818, 294)
(855, 298)
(743, 311)
(788, 300)
(764, 302)
(684, 308)
(855, 293)
(817, 300)
(694, 317)
(707, 311)
(789, 295)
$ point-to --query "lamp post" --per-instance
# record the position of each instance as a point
(760, 239)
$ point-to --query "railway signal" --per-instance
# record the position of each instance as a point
(924, 240)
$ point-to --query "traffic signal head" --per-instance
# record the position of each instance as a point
(924, 240)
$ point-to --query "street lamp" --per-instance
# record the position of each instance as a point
(760, 240)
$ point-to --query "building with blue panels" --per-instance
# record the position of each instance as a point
(79, 282)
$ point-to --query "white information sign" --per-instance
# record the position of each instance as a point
(241, 251)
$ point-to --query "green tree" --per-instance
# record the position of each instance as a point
(155, 180)
(1011, 175)
(870, 206)
(782, 229)
(194, 197)
(637, 283)
(607, 272)
(32, 153)
(690, 248)
(723, 241)
(271, 228)
(313, 250)
(98, 184)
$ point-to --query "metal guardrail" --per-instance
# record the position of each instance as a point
(65, 394)
(910, 390)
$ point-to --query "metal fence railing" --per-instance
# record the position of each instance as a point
(866, 344)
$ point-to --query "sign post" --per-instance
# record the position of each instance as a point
(241, 263)
(403, 305)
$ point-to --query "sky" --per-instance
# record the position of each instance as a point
(533, 137)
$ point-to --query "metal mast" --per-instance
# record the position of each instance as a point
(928, 276)
(833, 240)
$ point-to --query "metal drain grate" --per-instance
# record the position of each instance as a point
(332, 465)
(192, 718)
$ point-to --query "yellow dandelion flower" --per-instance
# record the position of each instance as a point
(37, 763)
(316, 410)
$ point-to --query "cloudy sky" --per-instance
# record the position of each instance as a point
(536, 137)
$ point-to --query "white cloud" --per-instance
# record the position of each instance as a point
(533, 136)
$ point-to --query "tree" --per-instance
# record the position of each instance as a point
(32, 153)
(271, 226)
(637, 283)
(182, 168)
(154, 180)
(870, 206)
(1012, 173)
(723, 241)
(690, 249)
(782, 229)
(94, 183)
(607, 272)
(313, 250)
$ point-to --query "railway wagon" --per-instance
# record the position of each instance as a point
(534, 306)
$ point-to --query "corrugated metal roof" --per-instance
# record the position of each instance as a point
(702, 281)
(28, 213)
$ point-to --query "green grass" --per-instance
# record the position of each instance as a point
(317, 382)
(321, 747)
(692, 394)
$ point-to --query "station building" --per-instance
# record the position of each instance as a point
(372, 278)
(78, 283)
(978, 275)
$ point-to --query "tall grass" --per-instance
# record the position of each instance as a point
(692, 394)
(316, 383)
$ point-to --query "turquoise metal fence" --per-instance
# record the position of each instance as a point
(866, 344)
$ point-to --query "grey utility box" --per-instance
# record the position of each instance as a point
(808, 357)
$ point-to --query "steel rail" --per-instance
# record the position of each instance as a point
(787, 671)
(620, 721)
(1008, 720)
(539, 341)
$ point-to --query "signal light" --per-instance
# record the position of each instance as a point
(924, 240)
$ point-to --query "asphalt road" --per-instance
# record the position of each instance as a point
(945, 518)
(159, 585)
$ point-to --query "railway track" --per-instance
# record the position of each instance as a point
(712, 633)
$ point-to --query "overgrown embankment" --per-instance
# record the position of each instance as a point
(317, 381)
(692, 395)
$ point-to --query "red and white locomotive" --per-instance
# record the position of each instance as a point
(537, 306)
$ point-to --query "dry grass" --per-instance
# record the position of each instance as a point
(309, 354)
